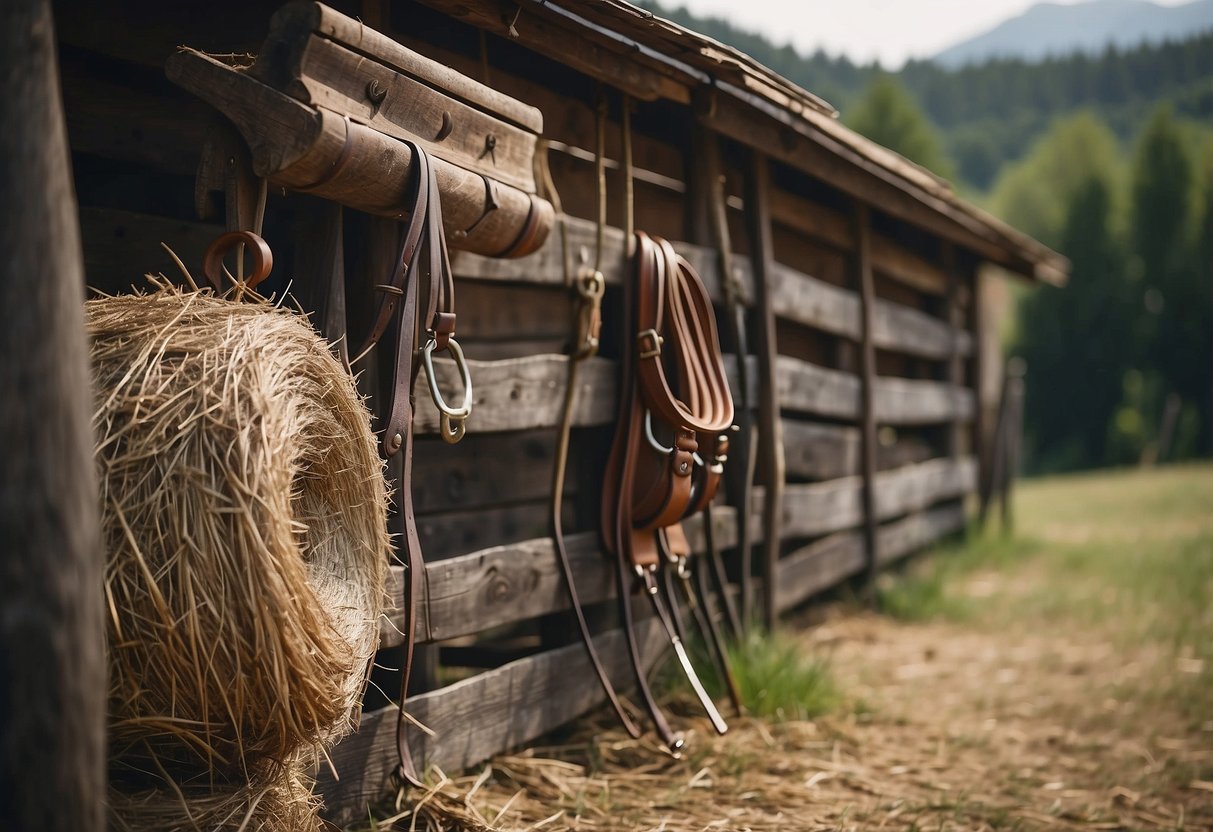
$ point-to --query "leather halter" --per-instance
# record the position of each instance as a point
(673, 381)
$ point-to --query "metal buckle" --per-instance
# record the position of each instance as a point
(656, 340)
(452, 418)
(591, 286)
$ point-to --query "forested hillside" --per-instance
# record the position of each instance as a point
(989, 114)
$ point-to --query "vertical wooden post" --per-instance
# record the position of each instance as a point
(982, 440)
(1014, 437)
(955, 367)
(862, 265)
(770, 439)
(52, 666)
(707, 222)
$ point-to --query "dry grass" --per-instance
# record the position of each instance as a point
(244, 522)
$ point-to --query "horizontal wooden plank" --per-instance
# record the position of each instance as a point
(915, 487)
(807, 300)
(901, 401)
(821, 508)
(827, 562)
(899, 328)
(808, 388)
(475, 592)
(547, 265)
(813, 450)
(818, 451)
(526, 393)
(474, 473)
(895, 540)
(817, 567)
(478, 717)
(520, 393)
(454, 533)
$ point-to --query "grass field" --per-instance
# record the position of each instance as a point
(1057, 678)
(1126, 556)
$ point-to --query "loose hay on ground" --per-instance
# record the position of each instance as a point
(244, 521)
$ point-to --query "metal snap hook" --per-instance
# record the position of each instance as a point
(452, 418)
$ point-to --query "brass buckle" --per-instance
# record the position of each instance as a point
(655, 339)
(452, 418)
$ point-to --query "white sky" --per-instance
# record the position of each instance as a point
(888, 30)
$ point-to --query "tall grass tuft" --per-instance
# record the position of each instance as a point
(775, 675)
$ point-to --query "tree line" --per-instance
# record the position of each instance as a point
(1107, 159)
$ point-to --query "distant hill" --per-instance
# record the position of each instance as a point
(1051, 30)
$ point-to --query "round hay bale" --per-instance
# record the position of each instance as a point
(244, 517)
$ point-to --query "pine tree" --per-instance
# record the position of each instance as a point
(1074, 341)
(888, 115)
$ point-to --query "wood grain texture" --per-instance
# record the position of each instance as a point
(478, 717)
(819, 451)
(526, 393)
(613, 62)
(337, 78)
(901, 401)
(809, 388)
(863, 282)
(288, 46)
(504, 584)
(546, 265)
(821, 508)
(771, 387)
(300, 147)
(52, 625)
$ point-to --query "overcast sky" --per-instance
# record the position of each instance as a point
(888, 30)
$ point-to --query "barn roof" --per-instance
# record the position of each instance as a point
(653, 58)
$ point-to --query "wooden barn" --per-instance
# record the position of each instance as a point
(850, 278)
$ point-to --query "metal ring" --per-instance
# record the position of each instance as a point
(452, 417)
(648, 434)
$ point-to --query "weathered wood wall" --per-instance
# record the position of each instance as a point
(859, 312)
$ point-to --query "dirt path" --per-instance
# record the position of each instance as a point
(1064, 682)
(950, 727)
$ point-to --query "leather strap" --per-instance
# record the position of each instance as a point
(417, 300)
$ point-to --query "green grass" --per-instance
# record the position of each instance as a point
(1126, 555)
(775, 676)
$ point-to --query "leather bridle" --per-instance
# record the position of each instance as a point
(418, 302)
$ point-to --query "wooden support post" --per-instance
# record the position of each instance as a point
(954, 311)
(52, 666)
(770, 442)
(996, 477)
(862, 265)
(982, 438)
(319, 273)
(1013, 439)
(707, 217)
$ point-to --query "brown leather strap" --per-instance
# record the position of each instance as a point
(417, 300)
(212, 260)
(674, 391)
